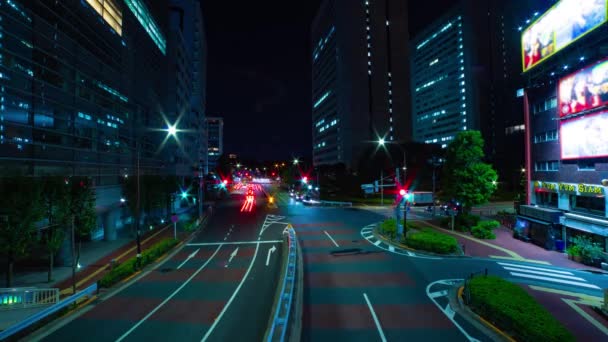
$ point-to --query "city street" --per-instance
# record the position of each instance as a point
(362, 289)
(219, 287)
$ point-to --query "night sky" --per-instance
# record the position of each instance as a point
(259, 72)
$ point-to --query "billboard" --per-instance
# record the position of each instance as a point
(583, 90)
(562, 24)
(585, 137)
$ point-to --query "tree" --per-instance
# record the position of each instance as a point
(20, 209)
(466, 177)
(80, 200)
(54, 191)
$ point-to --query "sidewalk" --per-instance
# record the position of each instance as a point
(96, 256)
(509, 248)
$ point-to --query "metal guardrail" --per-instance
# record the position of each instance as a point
(340, 204)
(47, 312)
(27, 297)
(280, 322)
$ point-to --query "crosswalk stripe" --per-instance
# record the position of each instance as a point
(391, 248)
(535, 268)
(367, 236)
(377, 243)
(543, 273)
(523, 275)
(439, 294)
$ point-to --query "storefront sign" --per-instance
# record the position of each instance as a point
(546, 186)
(590, 189)
(582, 189)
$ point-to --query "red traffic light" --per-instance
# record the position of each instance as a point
(402, 192)
(225, 182)
(304, 179)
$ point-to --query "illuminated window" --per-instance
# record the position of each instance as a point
(141, 12)
(110, 12)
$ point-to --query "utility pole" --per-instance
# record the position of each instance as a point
(381, 188)
(405, 197)
(73, 256)
(200, 191)
(138, 207)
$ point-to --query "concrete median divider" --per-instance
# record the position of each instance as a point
(286, 315)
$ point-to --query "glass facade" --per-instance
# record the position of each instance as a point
(439, 85)
(141, 12)
(110, 12)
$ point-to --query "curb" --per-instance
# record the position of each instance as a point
(417, 251)
(501, 334)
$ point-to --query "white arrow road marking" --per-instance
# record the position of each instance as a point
(188, 258)
(270, 251)
(232, 255)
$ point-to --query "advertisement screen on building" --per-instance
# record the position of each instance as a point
(585, 137)
(562, 24)
(584, 89)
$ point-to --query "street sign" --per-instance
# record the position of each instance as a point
(174, 218)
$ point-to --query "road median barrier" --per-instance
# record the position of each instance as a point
(285, 319)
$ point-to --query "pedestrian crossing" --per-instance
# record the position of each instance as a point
(546, 274)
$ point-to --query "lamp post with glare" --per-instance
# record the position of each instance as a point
(403, 193)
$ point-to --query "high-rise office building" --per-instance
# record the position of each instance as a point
(215, 134)
(186, 104)
(465, 75)
(360, 78)
(80, 81)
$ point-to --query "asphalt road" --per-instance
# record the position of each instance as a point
(217, 288)
(359, 289)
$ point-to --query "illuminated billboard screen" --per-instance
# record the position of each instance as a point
(562, 24)
(585, 137)
(584, 89)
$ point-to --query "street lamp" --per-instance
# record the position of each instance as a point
(172, 130)
(295, 161)
(381, 143)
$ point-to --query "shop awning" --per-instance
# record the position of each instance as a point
(533, 220)
(586, 227)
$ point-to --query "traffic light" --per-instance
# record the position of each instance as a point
(405, 194)
(304, 179)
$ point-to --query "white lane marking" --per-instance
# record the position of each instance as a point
(168, 298)
(332, 239)
(523, 275)
(270, 251)
(232, 243)
(448, 314)
(377, 243)
(517, 269)
(188, 258)
(232, 255)
(391, 248)
(438, 294)
(238, 288)
(534, 268)
(371, 309)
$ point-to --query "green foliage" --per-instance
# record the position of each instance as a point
(154, 192)
(573, 250)
(483, 230)
(388, 228)
(20, 208)
(129, 267)
(432, 241)
(191, 225)
(588, 249)
(54, 192)
(489, 224)
(465, 176)
(513, 310)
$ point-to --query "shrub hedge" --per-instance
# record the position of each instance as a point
(388, 228)
(129, 267)
(432, 241)
(513, 310)
(483, 230)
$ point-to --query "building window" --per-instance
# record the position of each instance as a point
(548, 199)
(588, 204)
(551, 135)
(110, 12)
(552, 165)
(143, 15)
(586, 165)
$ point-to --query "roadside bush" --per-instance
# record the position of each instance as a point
(129, 267)
(445, 222)
(465, 221)
(432, 241)
(513, 310)
(388, 228)
(191, 225)
(483, 230)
